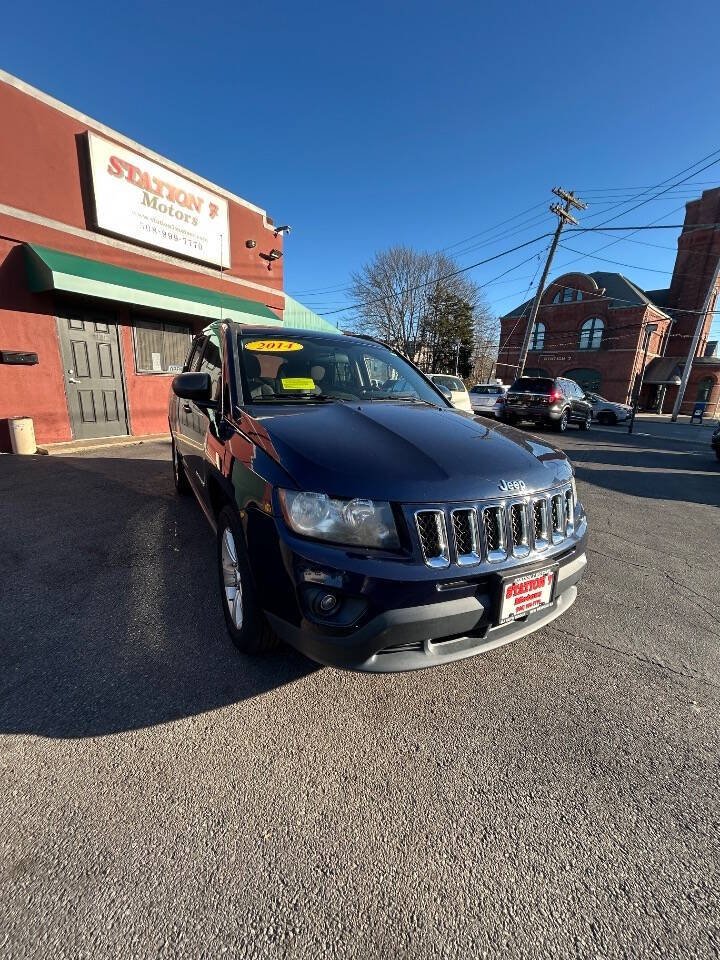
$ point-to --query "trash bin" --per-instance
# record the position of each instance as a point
(22, 435)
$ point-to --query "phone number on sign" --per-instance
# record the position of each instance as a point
(171, 235)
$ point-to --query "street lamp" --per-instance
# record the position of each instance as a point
(650, 328)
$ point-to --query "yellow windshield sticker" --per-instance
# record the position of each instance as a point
(273, 346)
(298, 383)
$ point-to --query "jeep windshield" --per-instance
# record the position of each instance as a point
(303, 368)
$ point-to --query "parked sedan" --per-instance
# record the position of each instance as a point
(607, 412)
(459, 396)
(488, 398)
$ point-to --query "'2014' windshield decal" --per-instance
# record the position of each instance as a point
(273, 346)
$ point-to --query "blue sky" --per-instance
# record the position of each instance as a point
(365, 125)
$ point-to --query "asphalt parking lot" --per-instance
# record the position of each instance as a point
(162, 796)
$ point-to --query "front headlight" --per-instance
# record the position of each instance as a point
(367, 523)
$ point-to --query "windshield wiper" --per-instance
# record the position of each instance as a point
(300, 398)
(403, 398)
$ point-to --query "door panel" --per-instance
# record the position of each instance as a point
(90, 352)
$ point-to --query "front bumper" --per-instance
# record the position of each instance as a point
(427, 635)
(620, 415)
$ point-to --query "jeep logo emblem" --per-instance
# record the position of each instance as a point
(512, 486)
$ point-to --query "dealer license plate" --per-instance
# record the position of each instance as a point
(526, 594)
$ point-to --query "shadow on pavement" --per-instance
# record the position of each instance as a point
(651, 468)
(110, 618)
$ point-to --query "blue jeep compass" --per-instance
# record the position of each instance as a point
(359, 516)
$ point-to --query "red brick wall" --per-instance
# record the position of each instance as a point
(27, 322)
(619, 355)
(42, 173)
(698, 252)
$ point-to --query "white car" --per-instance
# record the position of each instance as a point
(488, 398)
(607, 412)
(459, 397)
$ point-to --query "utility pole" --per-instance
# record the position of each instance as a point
(695, 340)
(650, 329)
(564, 216)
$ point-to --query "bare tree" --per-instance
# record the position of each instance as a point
(486, 341)
(397, 295)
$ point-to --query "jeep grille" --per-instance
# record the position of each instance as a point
(517, 527)
(433, 537)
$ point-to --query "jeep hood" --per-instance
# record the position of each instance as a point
(403, 452)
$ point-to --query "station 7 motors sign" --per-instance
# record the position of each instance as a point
(139, 199)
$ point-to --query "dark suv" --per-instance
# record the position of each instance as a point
(555, 402)
(371, 528)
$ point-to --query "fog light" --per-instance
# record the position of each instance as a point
(328, 602)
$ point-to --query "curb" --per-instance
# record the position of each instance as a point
(57, 450)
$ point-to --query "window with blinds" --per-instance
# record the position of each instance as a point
(160, 347)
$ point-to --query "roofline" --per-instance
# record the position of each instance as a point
(83, 118)
(645, 301)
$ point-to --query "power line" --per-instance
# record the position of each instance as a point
(447, 276)
(458, 243)
(714, 153)
(519, 228)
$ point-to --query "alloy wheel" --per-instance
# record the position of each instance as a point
(232, 581)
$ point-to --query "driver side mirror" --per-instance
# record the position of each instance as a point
(196, 387)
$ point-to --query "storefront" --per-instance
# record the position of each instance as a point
(111, 258)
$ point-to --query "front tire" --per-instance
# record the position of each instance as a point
(182, 484)
(585, 424)
(245, 621)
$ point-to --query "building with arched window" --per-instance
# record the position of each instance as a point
(591, 333)
(705, 389)
(594, 327)
(537, 337)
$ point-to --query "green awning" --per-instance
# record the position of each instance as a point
(300, 317)
(53, 270)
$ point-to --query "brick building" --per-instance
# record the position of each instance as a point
(111, 258)
(591, 326)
